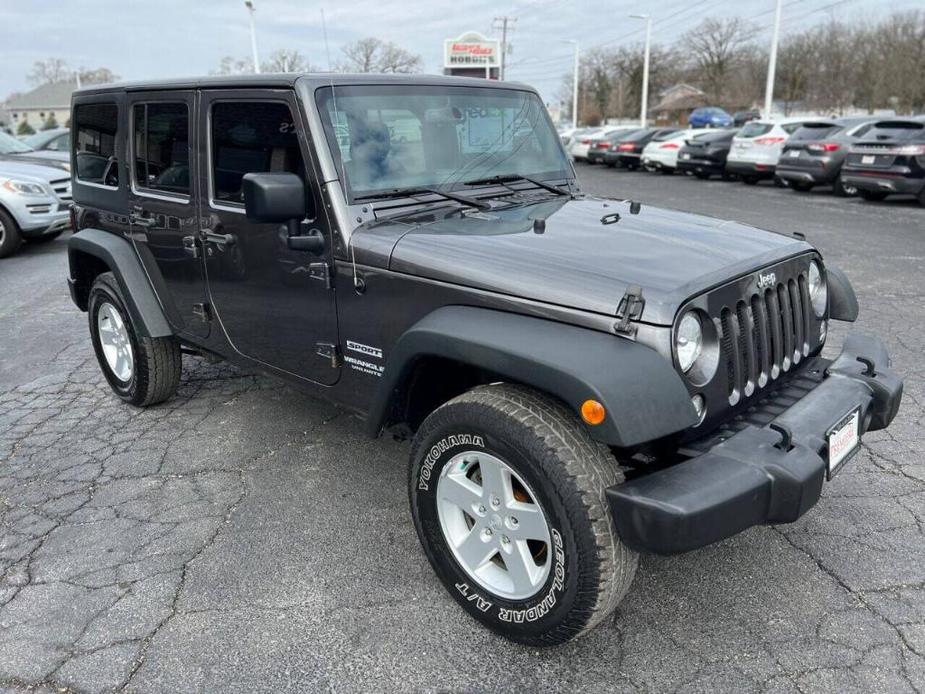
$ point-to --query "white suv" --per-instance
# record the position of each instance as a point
(757, 147)
(661, 154)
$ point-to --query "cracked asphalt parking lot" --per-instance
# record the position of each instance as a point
(243, 537)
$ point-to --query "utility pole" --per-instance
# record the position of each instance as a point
(645, 69)
(504, 20)
(574, 84)
(250, 11)
(772, 61)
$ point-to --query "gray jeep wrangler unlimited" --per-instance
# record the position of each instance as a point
(582, 379)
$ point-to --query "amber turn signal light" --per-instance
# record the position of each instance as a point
(593, 412)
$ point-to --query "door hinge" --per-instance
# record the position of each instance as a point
(203, 311)
(323, 272)
(329, 351)
(630, 309)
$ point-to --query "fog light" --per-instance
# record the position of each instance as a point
(593, 412)
(700, 407)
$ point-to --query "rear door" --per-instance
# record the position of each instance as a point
(275, 304)
(162, 203)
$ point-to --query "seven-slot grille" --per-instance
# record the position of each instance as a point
(764, 335)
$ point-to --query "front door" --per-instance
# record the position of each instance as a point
(275, 304)
(162, 199)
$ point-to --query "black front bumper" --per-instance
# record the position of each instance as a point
(761, 474)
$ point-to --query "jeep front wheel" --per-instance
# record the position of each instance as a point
(507, 493)
(141, 370)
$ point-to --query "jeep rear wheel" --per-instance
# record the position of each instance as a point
(141, 370)
(10, 238)
(507, 494)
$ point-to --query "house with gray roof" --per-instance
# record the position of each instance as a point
(34, 107)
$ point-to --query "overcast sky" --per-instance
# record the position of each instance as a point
(172, 38)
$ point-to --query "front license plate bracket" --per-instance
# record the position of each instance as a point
(844, 441)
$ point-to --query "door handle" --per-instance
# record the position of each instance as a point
(138, 218)
(218, 239)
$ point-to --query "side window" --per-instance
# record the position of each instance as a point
(251, 137)
(62, 143)
(160, 134)
(96, 130)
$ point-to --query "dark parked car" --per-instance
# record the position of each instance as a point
(626, 151)
(709, 117)
(888, 159)
(54, 140)
(705, 155)
(12, 149)
(582, 379)
(740, 118)
(600, 146)
(813, 155)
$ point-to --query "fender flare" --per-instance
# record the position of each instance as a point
(843, 302)
(643, 395)
(118, 255)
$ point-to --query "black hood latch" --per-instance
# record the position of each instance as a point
(630, 309)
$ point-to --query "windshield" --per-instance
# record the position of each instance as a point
(392, 137)
(10, 145)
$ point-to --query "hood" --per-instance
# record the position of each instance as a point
(57, 160)
(20, 167)
(578, 261)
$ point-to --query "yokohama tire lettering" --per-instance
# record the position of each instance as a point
(441, 447)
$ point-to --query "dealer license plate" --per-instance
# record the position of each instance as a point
(793, 153)
(685, 155)
(844, 441)
(868, 159)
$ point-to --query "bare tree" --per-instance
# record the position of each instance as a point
(286, 60)
(48, 71)
(100, 75)
(716, 49)
(229, 65)
(374, 55)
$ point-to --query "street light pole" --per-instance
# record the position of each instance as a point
(772, 61)
(250, 12)
(645, 69)
(574, 84)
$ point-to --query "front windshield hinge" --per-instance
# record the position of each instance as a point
(630, 309)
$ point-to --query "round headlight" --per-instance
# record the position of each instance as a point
(818, 291)
(689, 340)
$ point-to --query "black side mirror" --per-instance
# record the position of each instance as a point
(273, 197)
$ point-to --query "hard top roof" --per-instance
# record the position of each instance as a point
(288, 80)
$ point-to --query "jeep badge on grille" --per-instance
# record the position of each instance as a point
(767, 280)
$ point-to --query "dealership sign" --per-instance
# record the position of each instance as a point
(471, 50)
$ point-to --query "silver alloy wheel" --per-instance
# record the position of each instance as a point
(494, 525)
(115, 342)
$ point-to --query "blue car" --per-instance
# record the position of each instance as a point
(709, 117)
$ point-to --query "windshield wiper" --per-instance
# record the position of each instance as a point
(401, 192)
(510, 178)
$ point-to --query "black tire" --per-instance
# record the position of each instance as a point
(841, 190)
(750, 180)
(801, 186)
(156, 370)
(567, 472)
(46, 238)
(10, 238)
(872, 195)
(921, 197)
(701, 175)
